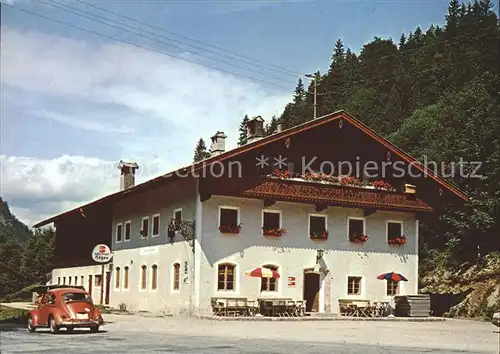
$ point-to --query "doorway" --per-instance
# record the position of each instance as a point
(311, 291)
(90, 285)
(108, 281)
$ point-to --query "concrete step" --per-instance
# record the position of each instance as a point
(322, 314)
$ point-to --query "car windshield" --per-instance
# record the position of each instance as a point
(70, 297)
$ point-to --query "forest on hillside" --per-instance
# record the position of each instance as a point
(25, 256)
(434, 93)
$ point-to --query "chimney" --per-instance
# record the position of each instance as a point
(218, 144)
(255, 129)
(279, 127)
(127, 176)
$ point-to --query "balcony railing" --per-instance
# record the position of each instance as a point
(296, 190)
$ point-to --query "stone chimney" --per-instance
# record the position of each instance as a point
(255, 129)
(218, 144)
(127, 175)
(279, 127)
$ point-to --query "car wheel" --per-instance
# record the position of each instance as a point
(94, 329)
(54, 328)
(31, 329)
(69, 329)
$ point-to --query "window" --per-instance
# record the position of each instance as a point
(226, 279)
(119, 231)
(228, 217)
(156, 225)
(356, 227)
(269, 284)
(125, 278)
(117, 278)
(154, 277)
(98, 280)
(58, 280)
(394, 229)
(127, 231)
(143, 276)
(271, 220)
(317, 226)
(64, 280)
(51, 299)
(178, 214)
(76, 297)
(76, 280)
(392, 287)
(353, 285)
(177, 276)
(81, 280)
(145, 227)
(69, 280)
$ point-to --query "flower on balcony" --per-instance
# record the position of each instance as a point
(323, 235)
(273, 232)
(382, 185)
(397, 241)
(355, 238)
(282, 173)
(230, 229)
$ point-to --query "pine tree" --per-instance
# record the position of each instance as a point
(300, 92)
(272, 126)
(242, 140)
(200, 152)
(338, 56)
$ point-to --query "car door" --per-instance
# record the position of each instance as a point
(42, 310)
(50, 304)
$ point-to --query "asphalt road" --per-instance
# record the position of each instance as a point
(18, 340)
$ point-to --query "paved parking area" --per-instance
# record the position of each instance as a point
(135, 334)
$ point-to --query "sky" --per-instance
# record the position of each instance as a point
(145, 80)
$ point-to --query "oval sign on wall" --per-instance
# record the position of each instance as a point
(102, 253)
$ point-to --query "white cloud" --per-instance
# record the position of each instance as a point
(166, 103)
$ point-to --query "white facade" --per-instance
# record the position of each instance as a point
(88, 276)
(292, 253)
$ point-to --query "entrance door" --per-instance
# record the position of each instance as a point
(108, 280)
(311, 291)
(90, 285)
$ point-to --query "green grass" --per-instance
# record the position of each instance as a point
(12, 315)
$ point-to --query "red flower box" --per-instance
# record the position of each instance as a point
(400, 241)
(230, 229)
(320, 236)
(282, 173)
(358, 239)
(273, 232)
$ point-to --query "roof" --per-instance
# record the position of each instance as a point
(264, 141)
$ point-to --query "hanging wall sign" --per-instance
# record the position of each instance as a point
(102, 253)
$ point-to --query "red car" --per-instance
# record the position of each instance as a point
(68, 308)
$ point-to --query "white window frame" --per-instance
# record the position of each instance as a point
(275, 211)
(172, 277)
(356, 218)
(361, 285)
(387, 228)
(152, 225)
(142, 224)
(236, 289)
(123, 288)
(175, 211)
(117, 288)
(140, 278)
(116, 232)
(278, 281)
(151, 277)
(309, 222)
(128, 222)
(231, 208)
(387, 296)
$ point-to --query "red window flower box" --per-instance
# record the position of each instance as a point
(230, 229)
(358, 238)
(319, 236)
(273, 232)
(399, 241)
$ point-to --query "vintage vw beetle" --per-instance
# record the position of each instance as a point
(64, 307)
